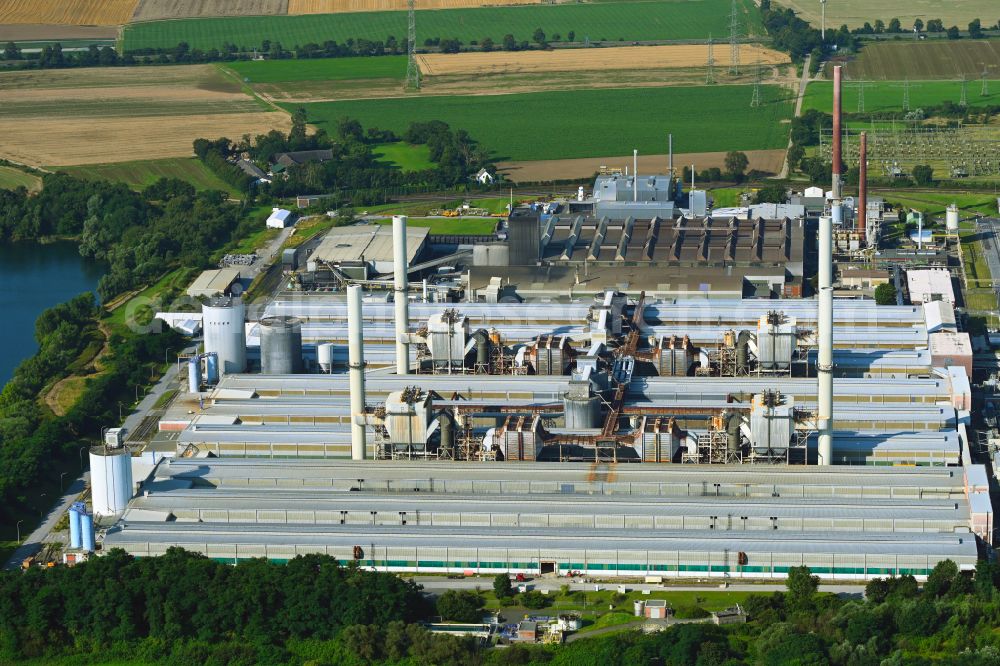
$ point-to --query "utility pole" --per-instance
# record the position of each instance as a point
(710, 75)
(734, 40)
(755, 100)
(412, 71)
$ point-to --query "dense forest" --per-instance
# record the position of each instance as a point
(140, 235)
(354, 175)
(186, 609)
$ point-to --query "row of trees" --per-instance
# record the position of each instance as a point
(975, 28)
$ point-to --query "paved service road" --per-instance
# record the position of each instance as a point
(33, 542)
(989, 227)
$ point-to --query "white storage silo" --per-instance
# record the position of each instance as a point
(324, 355)
(110, 479)
(951, 219)
(224, 335)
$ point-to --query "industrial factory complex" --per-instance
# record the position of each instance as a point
(623, 384)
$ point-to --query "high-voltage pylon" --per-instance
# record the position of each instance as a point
(906, 85)
(985, 90)
(755, 100)
(734, 39)
(412, 71)
(963, 101)
(710, 74)
(861, 85)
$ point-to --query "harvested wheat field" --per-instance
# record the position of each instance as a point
(572, 60)
(71, 141)
(67, 12)
(339, 6)
(192, 77)
(156, 10)
(769, 161)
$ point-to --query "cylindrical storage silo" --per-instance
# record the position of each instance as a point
(837, 214)
(110, 479)
(87, 532)
(280, 345)
(194, 375)
(951, 218)
(324, 356)
(223, 325)
(582, 413)
(74, 526)
(212, 369)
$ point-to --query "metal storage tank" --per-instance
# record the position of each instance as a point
(74, 524)
(324, 356)
(222, 322)
(212, 369)
(87, 532)
(951, 218)
(110, 479)
(280, 345)
(194, 374)
(582, 410)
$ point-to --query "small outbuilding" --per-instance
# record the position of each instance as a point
(280, 218)
(215, 282)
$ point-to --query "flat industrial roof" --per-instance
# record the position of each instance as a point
(371, 242)
(213, 282)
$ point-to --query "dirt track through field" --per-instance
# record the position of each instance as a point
(571, 60)
(769, 161)
(70, 141)
(154, 10)
(337, 6)
(67, 12)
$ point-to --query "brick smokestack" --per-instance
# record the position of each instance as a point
(862, 220)
(837, 166)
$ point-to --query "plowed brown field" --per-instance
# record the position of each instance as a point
(154, 10)
(571, 60)
(67, 12)
(337, 6)
(69, 141)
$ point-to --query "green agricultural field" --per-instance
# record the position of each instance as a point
(587, 123)
(143, 173)
(321, 69)
(407, 157)
(888, 95)
(670, 19)
(934, 203)
(922, 60)
(11, 179)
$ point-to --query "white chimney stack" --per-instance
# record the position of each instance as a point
(401, 295)
(635, 175)
(356, 368)
(824, 364)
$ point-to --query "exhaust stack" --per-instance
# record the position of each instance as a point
(356, 368)
(825, 360)
(837, 166)
(670, 153)
(401, 295)
(862, 222)
(635, 175)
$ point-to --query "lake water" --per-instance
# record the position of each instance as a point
(33, 278)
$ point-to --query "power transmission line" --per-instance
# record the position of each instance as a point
(412, 71)
(755, 100)
(710, 75)
(734, 39)
(861, 85)
(963, 101)
(906, 86)
(985, 90)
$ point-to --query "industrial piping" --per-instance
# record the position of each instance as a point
(401, 295)
(837, 194)
(824, 364)
(862, 224)
(356, 366)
